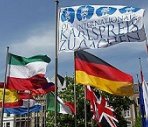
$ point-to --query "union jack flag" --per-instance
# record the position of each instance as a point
(103, 114)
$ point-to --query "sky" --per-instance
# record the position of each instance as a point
(28, 28)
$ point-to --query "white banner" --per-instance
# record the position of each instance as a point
(96, 26)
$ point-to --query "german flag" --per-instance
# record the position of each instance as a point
(93, 71)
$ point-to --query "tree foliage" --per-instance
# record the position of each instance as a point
(138, 122)
(119, 104)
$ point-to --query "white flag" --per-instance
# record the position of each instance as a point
(97, 26)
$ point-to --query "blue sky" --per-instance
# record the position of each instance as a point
(28, 28)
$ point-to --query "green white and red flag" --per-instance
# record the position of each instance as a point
(27, 73)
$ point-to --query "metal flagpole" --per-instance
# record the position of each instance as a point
(135, 105)
(56, 60)
(75, 98)
(20, 119)
(25, 120)
(28, 106)
(85, 109)
(35, 115)
(45, 110)
(141, 74)
(92, 123)
(44, 119)
(4, 89)
(37, 119)
(75, 103)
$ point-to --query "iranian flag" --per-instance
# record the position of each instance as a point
(62, 107)
(27, 73)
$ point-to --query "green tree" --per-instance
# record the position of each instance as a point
(138, 121)
(119, 104)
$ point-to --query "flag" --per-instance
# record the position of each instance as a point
(98, 26)
(11, 98)
(29, 102)
(61, 82)
(49, 87)
(29, 106)
(62, 107)
(141, 101)
(143, 92)
(145, 97)
(23, 110)
(103, 114)
(91, 70)
(1, 84)
(27, 73)
(25, 94)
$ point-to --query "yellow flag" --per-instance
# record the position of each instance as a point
(11, 98)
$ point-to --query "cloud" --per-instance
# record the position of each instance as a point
(41, 40)
(38, 42)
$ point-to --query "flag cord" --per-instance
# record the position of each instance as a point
(4, 89)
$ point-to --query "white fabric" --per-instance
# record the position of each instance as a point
(28, 70)
(97, 26)
(64, 109)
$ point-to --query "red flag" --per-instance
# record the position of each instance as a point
(102, 113)
(71, 106)
(49, 87)
(25, 94)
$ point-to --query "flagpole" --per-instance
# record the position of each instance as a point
(37, 119)
(75, 103)
(75, 98)
(28, 106)
(146, 45)
(141, 74)
(135, 105)
(85, 108)
(4, 89)
(25, 120)
(92, 123)
(45, 109)
(20, 118)
(36, 122)
(56, 60)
